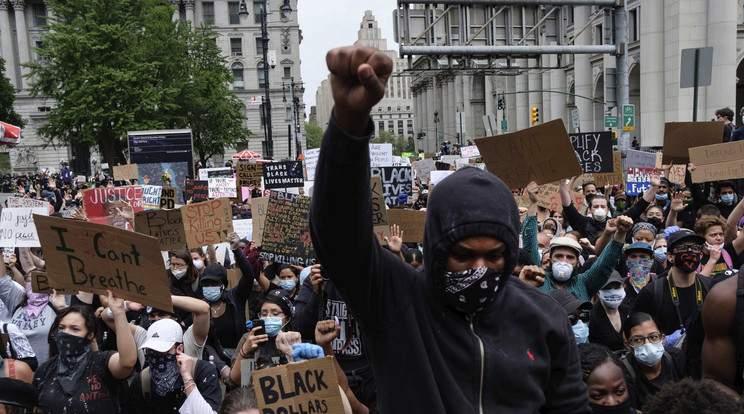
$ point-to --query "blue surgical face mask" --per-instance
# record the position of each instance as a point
(272, 325)
(581, 332)
(661, 197)
(727, 198)
(212, 293)
(288, 284)
(660, 254)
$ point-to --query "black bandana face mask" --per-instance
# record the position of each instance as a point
(470, 291)
(74, 352)
(688, 261)
(621, 408)
(164, 371)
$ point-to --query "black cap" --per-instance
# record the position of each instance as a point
(614, 278)
(569, 302)
(18, 393)
(280, 298)
(681, 235)
(215, 272)
(665, 181)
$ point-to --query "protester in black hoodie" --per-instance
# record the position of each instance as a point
(463, 336)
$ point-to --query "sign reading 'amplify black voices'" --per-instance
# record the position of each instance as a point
(286, 235)
(395, 181)
(594, 150)
(283, 174)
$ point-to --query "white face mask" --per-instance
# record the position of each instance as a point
(562, 271)
(612, 297)
(178, 273)
(710, 246)
(198, 264)
(649, 354)
(600, 214)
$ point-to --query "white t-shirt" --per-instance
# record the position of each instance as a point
(190, 347)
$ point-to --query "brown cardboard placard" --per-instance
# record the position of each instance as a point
(548, 196)
(92, 257)
(249, 174)
(715, 172)
(616, 176)
(125, 172)
(379, 212)
(717, 162)
(208, 222)
(411, 223)
(542, 154)
(259, 208)
(233, 277)
(298, 387)
(165, 225)
(676, 174)
(679, 137)
(42, 283)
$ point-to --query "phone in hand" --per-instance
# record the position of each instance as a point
(257, 323)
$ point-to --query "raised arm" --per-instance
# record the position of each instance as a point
(200, 309)
(674, 208)
(529, 227)
(121, 363)
(655, 180)
(563, 191)
(597, 275)
(245, 284)
(325, 333)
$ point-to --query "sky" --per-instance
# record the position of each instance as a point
(327, 24)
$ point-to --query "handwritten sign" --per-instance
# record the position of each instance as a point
(379, 212)
(206, 173)
(395, 181)
(40, 283)
(17, 227)
(249, 174)
(423, 168)
(126, 172)
(196, 190)
(615, 177)
(151, 196)
(299, 387)
(168, 197)
(436, 177)
(20, 202)
(718, 162)
(679, 137)
(640, 159)
(222, 187)
(548, 196)
(283, 174)
(542, 154)
(311, 162)
(411, 222)
(380, 155)
(639, 180)
(92, 257)
(165, 225)
(470, 151)
(594, 150)
(113, 206)
(259, 209)
(286, 234)
(676, 173)
(244, 228)
(208, 222)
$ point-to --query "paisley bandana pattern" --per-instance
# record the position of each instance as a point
(74, 353)
(471, 290)
(163, 371)
(638, 272)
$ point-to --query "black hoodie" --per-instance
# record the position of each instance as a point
(517, 355)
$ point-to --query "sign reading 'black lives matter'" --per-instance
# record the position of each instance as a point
(395, 181)
(283, 174)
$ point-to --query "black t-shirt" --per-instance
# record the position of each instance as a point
(721, 265)
(666, 314)
(601, 330)
(207, 382)
(642, 388)
(97, 392)
(224, 326)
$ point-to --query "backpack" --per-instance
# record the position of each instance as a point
(726, 258)
(146, 380)
(7, 350)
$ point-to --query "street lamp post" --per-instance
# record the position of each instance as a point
(295, 106)
(436, 128)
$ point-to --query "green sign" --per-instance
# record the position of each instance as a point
(503, 125)
(628, 117)
(610, 122)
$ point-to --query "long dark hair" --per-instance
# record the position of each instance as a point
(91, 324)
(192, 273)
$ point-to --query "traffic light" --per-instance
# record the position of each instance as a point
(535, 115)
(501, 104)
(614, 137)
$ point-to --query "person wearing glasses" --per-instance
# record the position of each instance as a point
(578, 313)
(184, 280)
(649, 365)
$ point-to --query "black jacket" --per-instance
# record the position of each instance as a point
(517, 355)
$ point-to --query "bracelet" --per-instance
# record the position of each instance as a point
(188, 380)
(187, 388)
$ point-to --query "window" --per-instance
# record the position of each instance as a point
(208, 13)
(257, 6)
(633, 25)
(233, 12)
(259, 46)
(40, 51)
(44, 109)
(236, 46)
(237, 70)
(39, 11)
(391, 126)
(381, 125)
(287, 72)
(369, 25)
(261, 77)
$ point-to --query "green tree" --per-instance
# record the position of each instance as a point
(7, 97)
(314, 134)
(400, 143)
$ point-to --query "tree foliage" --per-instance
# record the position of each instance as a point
(314, 134)
(400, 143)
(124, 65)
(7, 97)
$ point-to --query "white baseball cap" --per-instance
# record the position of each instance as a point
(162, 335)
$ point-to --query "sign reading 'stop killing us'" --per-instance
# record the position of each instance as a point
(283, 174)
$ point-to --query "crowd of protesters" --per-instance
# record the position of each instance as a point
(617, 305)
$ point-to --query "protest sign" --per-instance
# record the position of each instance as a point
(41, 283)
(7, 252)
(259, 209)
(470, 151)
(594, 150)
(298, 387)
(151, 196)
(165, 225)
(244, 228)
(113, 206)
(449, 159)
(249, 174)
(380, 155)
(612, 178)
(208, 222)
(20, 202)
(395, 181)
(126, 172)
(640, 159)
(423, 168)
(17, 226)
(311, 162)
(196, 190)
(283, 174)
(718, 162)
(548, 196)
(168, 197)
(411, 223)
(676, 173)
(92, 257)
(437, 176)
(222, 187)
(638, 180)
(206, 173)
(442, 166)
(286, 234)
(379, 212)
(542, 154)
(679, 137)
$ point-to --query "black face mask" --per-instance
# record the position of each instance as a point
(470, 291)
(621, 408)
(74, 352)
(164, 371)
(687, 261)
(656, 222)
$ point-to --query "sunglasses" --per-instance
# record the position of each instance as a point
(574, 319)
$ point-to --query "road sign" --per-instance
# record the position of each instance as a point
(575, 119)
(503, 125)
(628, 117)
(704, 63)
(610, 122)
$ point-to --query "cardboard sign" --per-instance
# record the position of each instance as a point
(20, 202)
(299, 387)
(222, 187)
(380, 155)
(113, 206)
(208, 222)
(126, 172)
(286, 236)
(395, 181)
(17, 227)
(411, 222)
(92, 257)
(615, 177)
(206, 173)
(594, 150)
(311, 162)
(423, 168)
(718, 162)
(470, 151)
(165, 225)
(168, 197)
(151, 196)
(679, 137)
(249, 174)
(542, 154)
(638, 180)
(41, 283)
(676, 173)
(283, 174)
(259, 209)
(196, 190)
(379, 212)
(640, 159)
(244, 228)
(548, 196)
